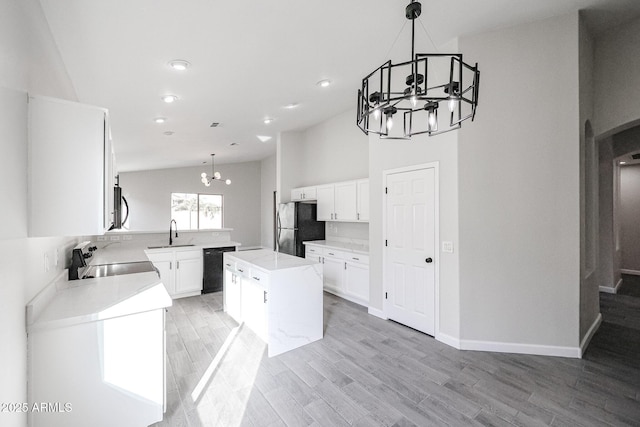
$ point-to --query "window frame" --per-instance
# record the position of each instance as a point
(198, 209)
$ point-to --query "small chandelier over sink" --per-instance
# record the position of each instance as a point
(415, 90)
(207, 180)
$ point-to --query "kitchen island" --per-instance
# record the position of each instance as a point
(278, 296)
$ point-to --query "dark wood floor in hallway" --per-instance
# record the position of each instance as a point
(370, 372)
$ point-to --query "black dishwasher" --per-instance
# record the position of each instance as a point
(213, 273)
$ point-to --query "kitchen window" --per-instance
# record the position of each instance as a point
(197, 211)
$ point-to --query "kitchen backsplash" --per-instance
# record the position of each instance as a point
(347, 232)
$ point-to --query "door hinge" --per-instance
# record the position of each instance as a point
(386, 296)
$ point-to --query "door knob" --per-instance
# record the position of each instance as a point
(428, 260)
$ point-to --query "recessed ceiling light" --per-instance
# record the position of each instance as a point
(169, 133)
(179, 64)
(324, 83)
(263, 138)
(159, 120)
(169, 98)
(291, 106)
(268, 120)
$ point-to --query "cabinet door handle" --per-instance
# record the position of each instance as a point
(335, 215)
(320, 259)
(265, 296)
(358, 216)
(228, 265)
(170, 265)
(331, 216)
(256, 278)
(330, 253)
(241, 270)
(177, 264)
(345, 265)
(356, 259)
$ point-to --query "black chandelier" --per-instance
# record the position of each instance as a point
(207, 180)
(413, 91)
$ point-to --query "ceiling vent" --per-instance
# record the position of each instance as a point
(214, 125)
(635, 156)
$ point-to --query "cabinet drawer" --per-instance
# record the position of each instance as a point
(259, 277)
(309, 249)
(359, 258)
(243, 269)
(230, 264)
(333, 253)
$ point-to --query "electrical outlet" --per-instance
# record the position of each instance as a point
(127, 237)
(102, 238)
(447, 247)
(114, 238)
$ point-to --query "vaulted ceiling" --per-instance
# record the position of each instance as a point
(248, 60)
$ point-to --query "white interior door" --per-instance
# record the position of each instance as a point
(411, 249)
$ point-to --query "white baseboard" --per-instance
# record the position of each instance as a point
(632, 272)
(378, 313)
(610, 289)
(592, 330)
(502, 347)
(448, 340)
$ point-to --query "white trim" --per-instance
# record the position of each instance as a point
(378, 313)
(436, 199)
(609, 289)
(503, 347)
(632, 272)
(448, 340)
(592, 330)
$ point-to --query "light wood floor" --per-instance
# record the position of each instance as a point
(370, 372)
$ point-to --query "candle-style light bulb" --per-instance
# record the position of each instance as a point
(389, 122)
(228, 182)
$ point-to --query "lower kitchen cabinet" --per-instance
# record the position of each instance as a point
(345, 274)
(180, 271)
(277, 296)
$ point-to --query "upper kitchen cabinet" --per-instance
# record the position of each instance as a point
(70, 168)
(337, 202)
(303, 194)
(362, 200)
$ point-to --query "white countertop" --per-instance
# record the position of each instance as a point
(269, 260)
(343, 246)
(87, 300)
(117, 252)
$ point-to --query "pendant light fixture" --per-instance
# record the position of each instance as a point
(207, 180)
(397, 101)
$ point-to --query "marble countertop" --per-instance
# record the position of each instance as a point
(87, 300)
(342, 246)
(269, 260)
(118, 252)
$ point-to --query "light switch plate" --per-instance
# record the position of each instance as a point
(127, 237)
(447, 247)
(114, 238)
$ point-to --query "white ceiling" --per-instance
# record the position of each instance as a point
(249, 59)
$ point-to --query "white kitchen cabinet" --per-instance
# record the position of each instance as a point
(332, 270)
(304, 194)
(345, 274)
(345, 201)
(339, 202)
(69, 168)
(326, 202)
(280, 297)
(231, 294)
(180, 271)
(362, 197)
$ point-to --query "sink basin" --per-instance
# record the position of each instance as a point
(118, 269)
(168, 246)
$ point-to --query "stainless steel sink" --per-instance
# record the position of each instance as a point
(168, 246)
(118, 269)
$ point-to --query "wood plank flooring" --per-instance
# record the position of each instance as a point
(370, 372)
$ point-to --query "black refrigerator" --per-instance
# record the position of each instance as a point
(296, 223)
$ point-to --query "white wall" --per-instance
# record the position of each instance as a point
(630, 217)
(617, 80)
(332, 151)
(149, 196)
(29, 61)
(519, 188)
(268, 186)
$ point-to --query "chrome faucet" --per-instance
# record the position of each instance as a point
(173, 221)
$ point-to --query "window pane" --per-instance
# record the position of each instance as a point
(210, 211)
(184, 209)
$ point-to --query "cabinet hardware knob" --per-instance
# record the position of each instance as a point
(428, 260)
(256, 278)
